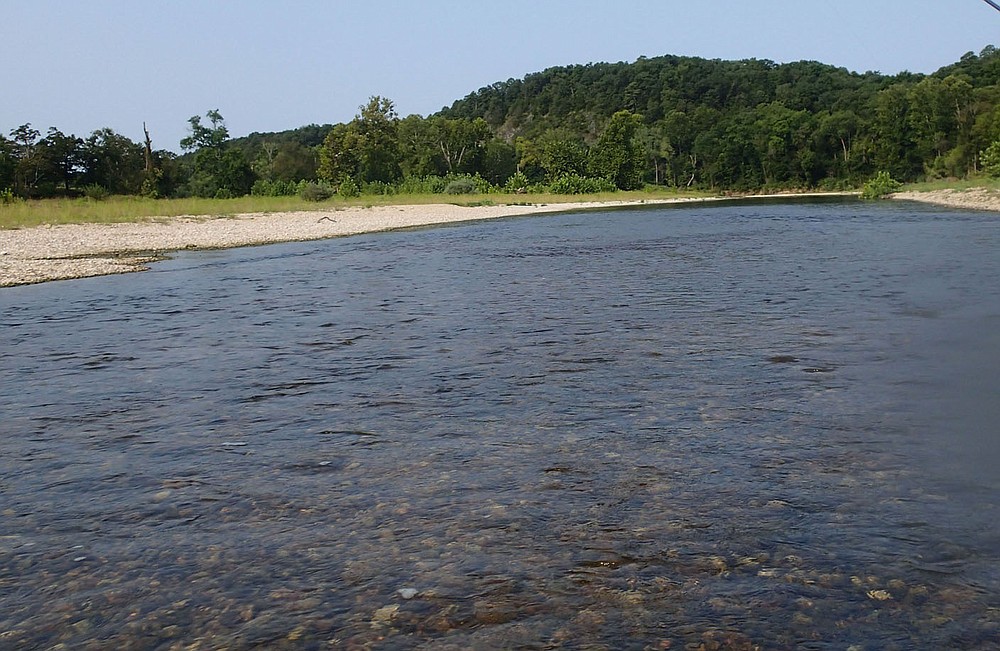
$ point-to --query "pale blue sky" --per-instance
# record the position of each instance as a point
(270, 66)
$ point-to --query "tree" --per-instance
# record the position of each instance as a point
(499, 161)
(29, 165)
(219, 171)
(419, 157)
(657, 149)
(561, 152)
(837, 139)
(340, 154)
(895, 149)
(63, 157)
(460, 142)
(365, 150)
(377, 128)
(618, 156)
(205, 137)
(8, 164)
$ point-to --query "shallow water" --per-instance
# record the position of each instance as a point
(739, 426)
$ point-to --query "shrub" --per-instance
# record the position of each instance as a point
(265, 188)
(7, 196)
(422, 185)
(517, 184)
(348, 188)
(990, 159)
(95, 192)
(378, 187)
(315, 191)
(461, 186)
(880, 186)
(576, 184)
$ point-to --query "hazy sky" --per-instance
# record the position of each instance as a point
(270, 66)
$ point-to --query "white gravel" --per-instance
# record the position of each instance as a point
(34, 255)
(43, 253)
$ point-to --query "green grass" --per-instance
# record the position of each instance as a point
(25, 214)
(952, 184)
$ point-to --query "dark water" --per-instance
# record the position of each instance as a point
(741, 426)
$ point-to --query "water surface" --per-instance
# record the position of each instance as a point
(734, 426)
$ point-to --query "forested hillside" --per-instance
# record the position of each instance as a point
(667, 121)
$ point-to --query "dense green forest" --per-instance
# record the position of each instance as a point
(667, 121)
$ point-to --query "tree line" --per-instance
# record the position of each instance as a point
(670, 121)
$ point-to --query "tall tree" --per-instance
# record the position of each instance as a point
(63, 156)
(378, 129)
(29, 167)
(219, 171)
(340, 154)
(8, 164)
(618, 156)
(365, 150)
(460, 142)
(113, 161)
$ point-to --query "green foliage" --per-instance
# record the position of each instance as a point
(881, 186)
(219, 171)
(8, 197)
(206, 137)
(348, 188)
(311, 191)
(460, 186)
(683, 122)
(576, 184)
(367, 148)
(378, 188)
(96, 192)
(618, 156)
(265, 188)
(989, 158)
(422, 185)
(517, 184)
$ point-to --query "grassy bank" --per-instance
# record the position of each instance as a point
(952, 184)
(25, 214)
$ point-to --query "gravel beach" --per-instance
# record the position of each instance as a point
(44, 253)
(973, 198)
(34, 255)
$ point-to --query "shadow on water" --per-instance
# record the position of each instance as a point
(710, 427)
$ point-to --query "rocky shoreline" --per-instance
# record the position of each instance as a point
(972, 198)
(46, 253)
(34, 255)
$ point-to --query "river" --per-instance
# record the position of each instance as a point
(737, 426)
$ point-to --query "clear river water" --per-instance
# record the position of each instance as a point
(747, 425)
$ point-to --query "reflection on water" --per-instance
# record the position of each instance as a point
(743, 426)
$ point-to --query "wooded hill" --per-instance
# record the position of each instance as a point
(669, 121)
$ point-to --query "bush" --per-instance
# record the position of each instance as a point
(461, 186)
(990, 159)
(265, 188)
(378, 187)
(348, 188)
(315, 191)
(422, 185)
(880, 187)
(95, 192)
(517, 184)
(576, 184)
(7, 196)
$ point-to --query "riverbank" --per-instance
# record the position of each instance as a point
(62, 252)
(45, 253)
(970, 198)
